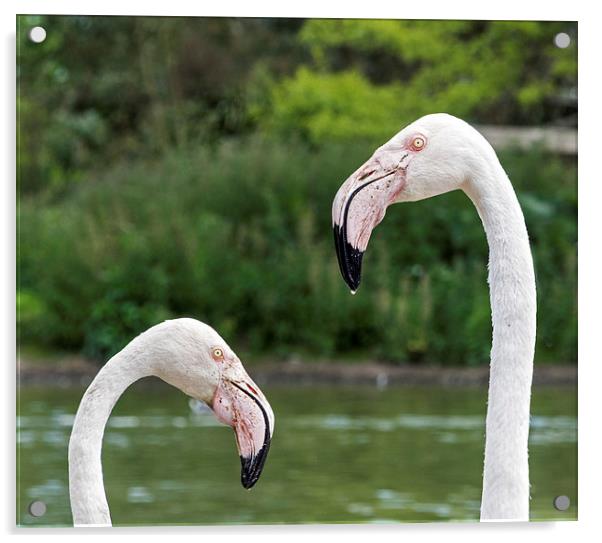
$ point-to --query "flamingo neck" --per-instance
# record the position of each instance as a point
(513, 307)
(86, 488)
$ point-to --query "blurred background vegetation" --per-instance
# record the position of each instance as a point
(186, 166)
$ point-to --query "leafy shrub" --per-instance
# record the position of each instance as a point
(239, 235)
(369, 78)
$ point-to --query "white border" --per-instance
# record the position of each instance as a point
(590, 230)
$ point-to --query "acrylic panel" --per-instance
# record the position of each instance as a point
(197, 197)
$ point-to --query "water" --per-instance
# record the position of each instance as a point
(339, 454)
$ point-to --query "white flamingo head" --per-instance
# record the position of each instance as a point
(193, 357)
(431, 156)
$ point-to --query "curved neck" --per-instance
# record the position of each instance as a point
(86, 488)
(513, 308)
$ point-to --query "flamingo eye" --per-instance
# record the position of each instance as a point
(217, 353)
(418, 143)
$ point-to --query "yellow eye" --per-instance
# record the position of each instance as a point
(418, 143)
(217, 353)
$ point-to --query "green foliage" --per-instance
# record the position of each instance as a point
(30, 314)
(186, 166)
(368, 79)
(325, 106)
(101, 89)
(105, 89)
(239, 236)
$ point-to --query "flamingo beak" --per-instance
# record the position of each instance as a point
(241, 405)
(359, 206)
(349, 258)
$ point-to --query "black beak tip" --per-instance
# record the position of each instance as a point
(252, 466)
(355, 272)
(350, 259)
(246, 479)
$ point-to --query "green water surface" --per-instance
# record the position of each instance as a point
(339, 454)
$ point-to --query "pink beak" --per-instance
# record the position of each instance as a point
(243, 406)
(360, 205)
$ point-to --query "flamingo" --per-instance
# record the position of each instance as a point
(433, 155)
(188, 355)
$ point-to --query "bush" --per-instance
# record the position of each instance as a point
(239, 235)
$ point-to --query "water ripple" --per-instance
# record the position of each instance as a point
(544, 429)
